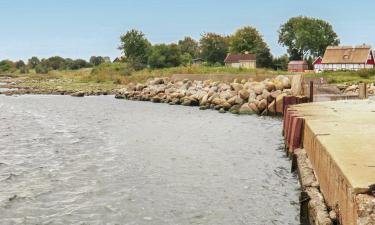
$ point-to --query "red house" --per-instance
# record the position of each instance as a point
(298, 66)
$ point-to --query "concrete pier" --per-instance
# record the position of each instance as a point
(339, 140)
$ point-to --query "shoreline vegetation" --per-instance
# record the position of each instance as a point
(109, 77)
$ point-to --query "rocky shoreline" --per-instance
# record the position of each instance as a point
(238, 97)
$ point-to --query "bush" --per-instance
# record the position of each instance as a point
(41, 69)
(7, 66)
(24, 70)
(366, 73)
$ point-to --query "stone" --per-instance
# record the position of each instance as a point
(262, 105)
(245, 109)
(78, 94)
(222, 110)
(270, 86)
(226, 105)
(235, 109)
(244, 94)
(254, 107)
(236, 86)
(258, 89)
(204, 100)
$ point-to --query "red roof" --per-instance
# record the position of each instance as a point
(299, 62)
(235, 58)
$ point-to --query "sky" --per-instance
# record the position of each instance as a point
(82, 28)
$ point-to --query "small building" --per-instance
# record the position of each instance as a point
(247, 61)
(197, 61)
(345, 58)
(298, 66)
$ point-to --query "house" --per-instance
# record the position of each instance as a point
(247, 61)
(298, 66)
(345, 58)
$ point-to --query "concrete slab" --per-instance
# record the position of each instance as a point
(339, 138)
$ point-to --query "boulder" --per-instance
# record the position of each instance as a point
(236, 86)
(78, 94)
(270, 86)
(262, 105)
(245, 109)
(274, 94)
(235, 109)
(244, 94)
(204, 100)
(222, 110)
(258, 89)
(254, 107)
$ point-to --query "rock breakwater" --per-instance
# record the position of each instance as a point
(239, 97)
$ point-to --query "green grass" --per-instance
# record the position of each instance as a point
(349, 77)
(121, 74)
(107, 77)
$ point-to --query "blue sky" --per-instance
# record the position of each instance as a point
(81, 28)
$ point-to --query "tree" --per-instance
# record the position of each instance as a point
(305, 36)
(248, 39)
(163, 55)
(97, 60)
(214, 48)
(20, 64)
(55, 63)
(42, 69)
(186, 59)
(33, 62)
(190, 46)
(135, 48)
(280, 63)
(6, 66)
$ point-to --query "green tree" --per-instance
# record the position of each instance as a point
(186, 59)
(280, 63)
(55, 63)
(97, 60)
(20, 64)
(136, 48)
(190, 46)
(7, 66)
(305, 36)
(33, 62)
(214, 48)
(163, 55)
(248, 39)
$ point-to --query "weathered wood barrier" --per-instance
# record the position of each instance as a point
(333, 146)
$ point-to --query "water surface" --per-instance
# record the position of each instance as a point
(98, 160)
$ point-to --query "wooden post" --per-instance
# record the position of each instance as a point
(311, 93)
(275, 106)
(362, 91)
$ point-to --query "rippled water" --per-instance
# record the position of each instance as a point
(98, 160)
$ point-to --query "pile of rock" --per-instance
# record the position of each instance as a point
(354, 89)
(243, 97)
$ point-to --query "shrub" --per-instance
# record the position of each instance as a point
(366, 73)
(41, 69)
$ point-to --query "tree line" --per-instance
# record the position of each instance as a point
(52, 63)
(303, 37)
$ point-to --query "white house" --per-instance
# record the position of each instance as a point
(241, 61)
(345, 58)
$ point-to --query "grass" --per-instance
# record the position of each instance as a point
(120, 74)
(107, 77)
(348, 77)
